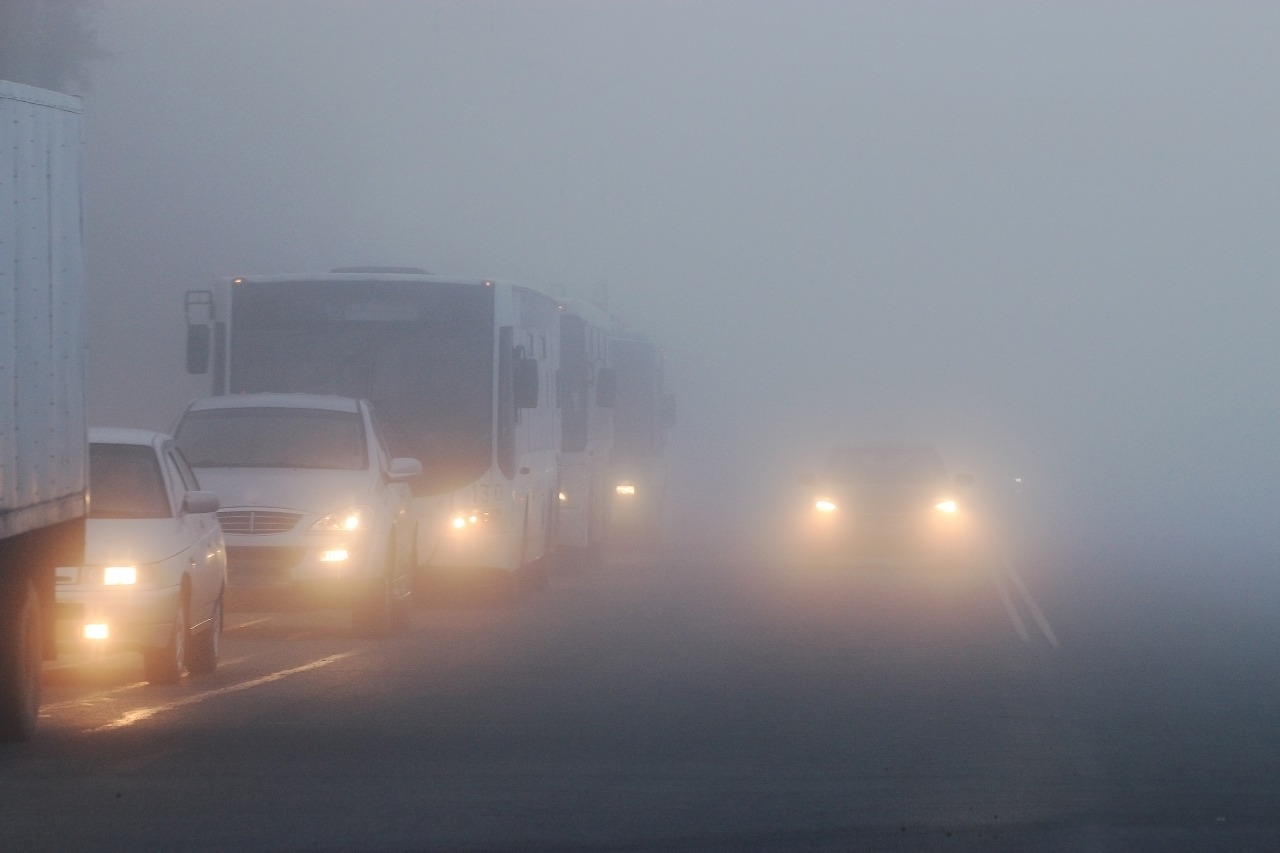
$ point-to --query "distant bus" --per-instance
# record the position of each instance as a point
(460, 371)
(585, 389)
(642, 412)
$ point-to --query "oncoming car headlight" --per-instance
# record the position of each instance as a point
(348, 520)
(824, 505)
(626, 488)
(948, 506)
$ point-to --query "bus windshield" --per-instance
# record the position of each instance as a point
(421, 352)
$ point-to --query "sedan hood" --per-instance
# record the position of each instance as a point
(132, 541)
(315, 491)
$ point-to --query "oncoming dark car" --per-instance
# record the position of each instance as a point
(889, 503)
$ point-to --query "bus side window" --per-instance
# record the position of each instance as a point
(506, 449)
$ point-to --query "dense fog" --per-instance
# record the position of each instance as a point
(1037, 235)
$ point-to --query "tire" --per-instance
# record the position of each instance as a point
(20, 666)
(164, 666)
(400, 610)
(372, 617)
(532, 578)
(202, 656)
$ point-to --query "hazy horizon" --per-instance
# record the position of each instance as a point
(1035, 235)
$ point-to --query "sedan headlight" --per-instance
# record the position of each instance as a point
(349, 520)
(119, 575)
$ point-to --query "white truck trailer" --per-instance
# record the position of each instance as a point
(43, 450)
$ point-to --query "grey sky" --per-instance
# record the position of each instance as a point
(1041, 234)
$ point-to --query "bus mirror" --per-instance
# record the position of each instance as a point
(668, 410)
(198, 339)
(606, 387)
(526, 383)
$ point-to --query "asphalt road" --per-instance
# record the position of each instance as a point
(688, 701)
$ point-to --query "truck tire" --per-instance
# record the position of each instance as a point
(20, 667)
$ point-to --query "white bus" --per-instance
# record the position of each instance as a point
(585, 389)
(460, 371)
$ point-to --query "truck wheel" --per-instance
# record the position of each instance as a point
(20, 666)
(203, 655)
(164, 666)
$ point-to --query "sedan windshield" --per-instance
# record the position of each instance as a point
(272, 438)
(126, 482)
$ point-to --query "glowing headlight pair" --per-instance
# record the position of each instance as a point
(347, 520)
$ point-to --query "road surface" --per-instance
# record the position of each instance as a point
(688, 701)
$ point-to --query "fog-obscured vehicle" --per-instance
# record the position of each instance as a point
(314, 507)
(889, 503)
(643, 411)
(155, 566)
(462, 372)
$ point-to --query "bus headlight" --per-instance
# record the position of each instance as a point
(465, 520)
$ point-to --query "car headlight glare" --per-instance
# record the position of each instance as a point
(120, 575)
(625, 488)
(824, 505)
(349, 520)
(948, 506)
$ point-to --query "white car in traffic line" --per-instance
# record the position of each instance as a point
(155, 565)
(314, 508)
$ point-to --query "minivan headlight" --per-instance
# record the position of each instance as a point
(350, 520)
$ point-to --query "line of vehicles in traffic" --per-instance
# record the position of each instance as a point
(368, 432)
(487, 461)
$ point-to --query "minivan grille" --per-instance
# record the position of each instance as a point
(257, 521)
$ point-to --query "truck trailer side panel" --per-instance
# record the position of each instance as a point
(43, 450)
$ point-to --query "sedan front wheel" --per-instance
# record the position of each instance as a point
(164, 666)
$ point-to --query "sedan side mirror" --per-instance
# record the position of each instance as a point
(200, 502)
(403, 468)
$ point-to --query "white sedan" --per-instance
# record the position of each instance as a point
(314, 508)
(155, 564)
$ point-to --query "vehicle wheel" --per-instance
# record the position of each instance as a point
(164, 666)
(372, 617)
(203, 655)
(400, 610)
(20, 666)
(532, 578)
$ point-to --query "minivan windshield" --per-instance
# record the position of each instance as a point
(253, 437)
